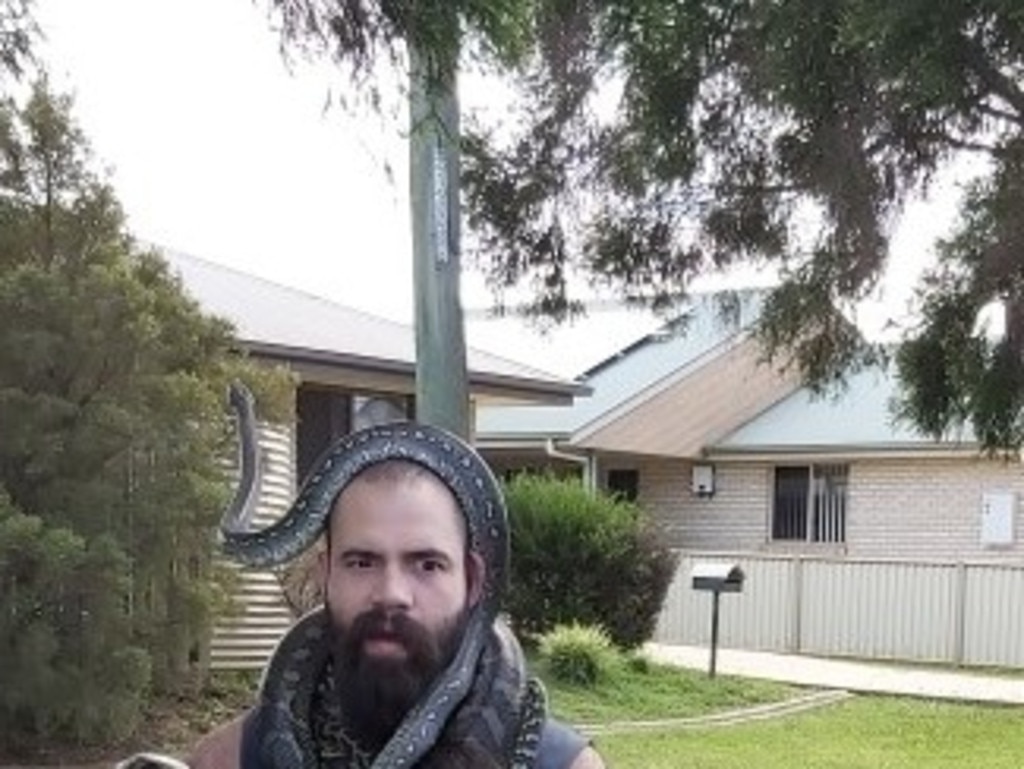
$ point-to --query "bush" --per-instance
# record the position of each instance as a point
(71, 674)
(578, 654)
(586, 558)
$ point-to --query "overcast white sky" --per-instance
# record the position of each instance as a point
(216, 149)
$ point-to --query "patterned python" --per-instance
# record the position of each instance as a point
(487, 645)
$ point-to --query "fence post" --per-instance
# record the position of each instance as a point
(796, 608)
(959, 613)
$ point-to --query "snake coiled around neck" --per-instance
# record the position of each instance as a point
(285, 692)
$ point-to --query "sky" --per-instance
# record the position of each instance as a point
(216, 148)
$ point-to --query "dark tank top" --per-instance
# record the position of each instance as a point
(558, 748)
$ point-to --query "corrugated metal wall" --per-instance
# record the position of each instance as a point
(968, 613)
(246, 638)
(993, 631)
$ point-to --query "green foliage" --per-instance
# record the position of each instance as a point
(361, 35)
(628, 692)
(638, 663)
(112, 412)
(863, 732)
(18, 33)
(663, 139)
(577, 654)
(956, 374)
(583, 557)
(69, 673)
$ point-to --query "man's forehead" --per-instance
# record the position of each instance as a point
(411, 492)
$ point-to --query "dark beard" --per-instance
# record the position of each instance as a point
(376, 693)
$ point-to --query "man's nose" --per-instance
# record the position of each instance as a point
(393, 589)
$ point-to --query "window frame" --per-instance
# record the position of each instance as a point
(825, 504)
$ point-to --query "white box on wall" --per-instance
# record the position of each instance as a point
(703, 480)
(998, 509)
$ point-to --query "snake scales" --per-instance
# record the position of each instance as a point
(487, 647)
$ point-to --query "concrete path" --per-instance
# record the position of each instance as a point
(851, 676)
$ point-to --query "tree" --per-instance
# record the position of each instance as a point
(18, 31)
(112, 412)
(785, 133)
(427, 38)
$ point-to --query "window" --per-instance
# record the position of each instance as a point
(624, 484)
(370, 410)
(323, 415)
(810, 503)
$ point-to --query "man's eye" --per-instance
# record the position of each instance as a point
(432, 564)
(358, 563)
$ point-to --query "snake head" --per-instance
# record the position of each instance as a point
(240, 512)
(240, 397)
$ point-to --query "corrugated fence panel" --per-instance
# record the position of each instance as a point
(994, 615)
(756, 618)
(878, 609)
(246, 639)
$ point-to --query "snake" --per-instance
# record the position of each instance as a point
(284, 691)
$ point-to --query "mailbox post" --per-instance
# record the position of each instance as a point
(717, 578)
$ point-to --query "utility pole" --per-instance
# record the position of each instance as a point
(442, 390)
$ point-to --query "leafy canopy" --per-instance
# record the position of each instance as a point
(659, 140)
(114, 435)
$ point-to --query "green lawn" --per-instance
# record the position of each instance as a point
(862, 733)
(657, 691)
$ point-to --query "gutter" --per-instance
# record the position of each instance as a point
(563, 390)
(586, 461)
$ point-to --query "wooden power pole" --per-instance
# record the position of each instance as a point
(442, 390)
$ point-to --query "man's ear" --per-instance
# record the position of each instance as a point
(476, 571)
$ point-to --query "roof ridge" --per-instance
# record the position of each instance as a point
(304, 293)
(173, 253)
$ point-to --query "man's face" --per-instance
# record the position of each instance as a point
(397, 587)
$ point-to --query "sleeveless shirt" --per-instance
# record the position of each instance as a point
(558, 748)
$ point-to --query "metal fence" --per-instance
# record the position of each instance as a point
(961, 613)
(246, 637)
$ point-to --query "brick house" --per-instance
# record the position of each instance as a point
(858, 536)
(732, 455)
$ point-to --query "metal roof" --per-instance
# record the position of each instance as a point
(859, 417)
(651, 363)
(284, 322)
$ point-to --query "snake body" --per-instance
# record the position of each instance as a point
(285, 692)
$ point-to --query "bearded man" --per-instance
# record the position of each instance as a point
(407, 664)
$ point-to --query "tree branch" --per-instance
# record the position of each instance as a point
(999, 114)
(998, 83)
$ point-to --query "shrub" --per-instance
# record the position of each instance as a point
(71, 671)
(578, 654)
(638, 662)
(586, 558)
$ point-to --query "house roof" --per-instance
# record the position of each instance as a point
(284, 323)
(695, 408)
(636, 375)
(703, 392)
(859, 418)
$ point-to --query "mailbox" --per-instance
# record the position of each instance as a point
(716, 578)
(719, 577)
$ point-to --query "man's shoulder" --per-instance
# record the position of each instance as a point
(221, 748)
(562, 747)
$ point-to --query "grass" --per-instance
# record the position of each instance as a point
(864, 732)
(652, 691)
